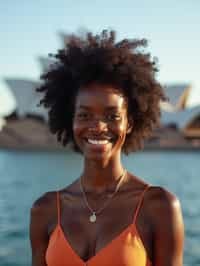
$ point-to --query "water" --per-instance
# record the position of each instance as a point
(24, 176)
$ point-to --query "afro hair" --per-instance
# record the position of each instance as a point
(99, 58)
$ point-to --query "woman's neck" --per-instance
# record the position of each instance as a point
(99, 177)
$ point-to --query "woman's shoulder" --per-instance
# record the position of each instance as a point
(44, 200)
(45, 205)
(160, 196)
(165, 217)
(163, 205)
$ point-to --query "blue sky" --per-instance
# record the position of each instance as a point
(31, 28)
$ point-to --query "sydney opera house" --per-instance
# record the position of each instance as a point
(26, 127)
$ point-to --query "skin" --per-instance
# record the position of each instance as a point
(101, 112)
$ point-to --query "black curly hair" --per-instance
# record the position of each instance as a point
(99, 58)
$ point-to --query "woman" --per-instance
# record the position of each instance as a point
(103, 98)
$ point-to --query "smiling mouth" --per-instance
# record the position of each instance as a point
(98, 142)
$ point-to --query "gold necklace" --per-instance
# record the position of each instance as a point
(93, 216)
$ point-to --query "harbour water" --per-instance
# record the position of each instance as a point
(24, 176)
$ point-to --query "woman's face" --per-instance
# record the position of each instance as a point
(100, 121)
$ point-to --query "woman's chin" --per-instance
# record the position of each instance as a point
(97, 156)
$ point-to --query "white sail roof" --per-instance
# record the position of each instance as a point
(26, 97)
(182, 118)
(178, 96)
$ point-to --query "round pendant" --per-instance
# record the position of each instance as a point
(93, 218)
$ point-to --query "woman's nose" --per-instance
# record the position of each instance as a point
(97, 125)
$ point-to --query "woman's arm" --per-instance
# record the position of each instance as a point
(39, 217)
(168, 227)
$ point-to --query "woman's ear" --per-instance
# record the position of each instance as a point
(130, 126)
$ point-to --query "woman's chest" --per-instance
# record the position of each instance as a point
(87, 238)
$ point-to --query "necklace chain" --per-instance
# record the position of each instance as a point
(92, 218)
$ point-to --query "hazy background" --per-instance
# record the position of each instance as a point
(30, 29)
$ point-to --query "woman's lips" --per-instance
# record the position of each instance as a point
(98, 144)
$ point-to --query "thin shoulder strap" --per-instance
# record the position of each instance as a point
(58, 206)
(140, 202)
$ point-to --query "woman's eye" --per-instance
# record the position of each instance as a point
(83, 115)
(114, 117)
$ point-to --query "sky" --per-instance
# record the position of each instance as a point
(30, 29)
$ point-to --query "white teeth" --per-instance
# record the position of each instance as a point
(93, 141)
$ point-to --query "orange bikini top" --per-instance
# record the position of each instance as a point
(126, 249)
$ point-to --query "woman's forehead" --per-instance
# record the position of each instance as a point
(100, 95)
